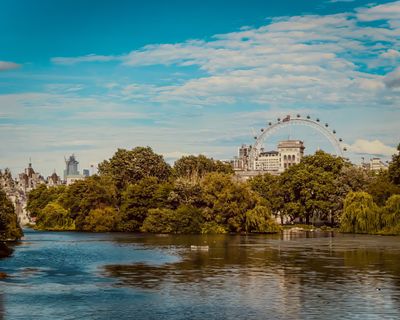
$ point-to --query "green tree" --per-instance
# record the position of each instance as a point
(260, 219)
(137, 199)
(41, 196)
(360, 214)
(195, 167)
(394, 168)
(85, 195)
(9, 226)
(183, 220)
(129, 166)
(226, 201)
(102, 220)
(391, 215)
(54, 217)
(268, 187)
(381, 187)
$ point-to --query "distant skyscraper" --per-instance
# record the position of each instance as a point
(86, 172)
(71, 166)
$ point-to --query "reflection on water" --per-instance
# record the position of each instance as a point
(290, 276)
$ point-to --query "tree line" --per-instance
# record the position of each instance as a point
(136, 190)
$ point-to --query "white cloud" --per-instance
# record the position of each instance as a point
(388, 11)
(392, 80)
(6, 65)
(374, 147)
(390, 54)
(87, 58)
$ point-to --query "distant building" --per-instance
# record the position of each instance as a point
(93, 168)
(268, 161)
(71, 167)
(241, 162)
(290, 152)
(54, 180)
(86, 172)
(71, 173)
(29, 179)
(376, 164)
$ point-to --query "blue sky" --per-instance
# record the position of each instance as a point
(189, 77)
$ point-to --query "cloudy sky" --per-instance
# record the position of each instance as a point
(190, 77)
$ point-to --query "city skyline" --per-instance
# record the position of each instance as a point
(88, 78)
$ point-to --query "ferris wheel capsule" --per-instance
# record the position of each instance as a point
(334, 131)
(326, 125)
(344, 149)
(308, 117)
(269, 123)
(262, 129)
(340, 139)
(298, 115)
(279, 119)
(317, 119)
(255, 137)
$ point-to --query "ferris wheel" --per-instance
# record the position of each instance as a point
(288, 121)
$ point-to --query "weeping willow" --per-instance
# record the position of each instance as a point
(391, 215)
(361, 214)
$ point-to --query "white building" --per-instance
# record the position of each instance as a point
(376, 164)
(268, 161)
(290, 152)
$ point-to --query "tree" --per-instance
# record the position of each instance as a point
(360, 214)
(391, 215)
(381, 187)
(260, 219)
(9, 226)
(394, 168)
(41, 196)
(102, 220)
(185, 219)
(195, 167)
(85, 195)
(137, 199)
(128, 167)
(268, 187)
(226, 201)
(54, 217)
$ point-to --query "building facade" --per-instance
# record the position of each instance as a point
(290, 152)
(71, 173)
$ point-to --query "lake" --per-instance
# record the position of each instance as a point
(308, 275)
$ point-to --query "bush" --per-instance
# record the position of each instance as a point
(54, 217)
(102, 220)
(185, 219)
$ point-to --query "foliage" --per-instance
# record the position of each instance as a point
(226, 202)
(381, 187)
(9, 227)
(102, 220)
(54, 217)
(391, 215)
(41, 196)
(137, 199)
(85, 195)
(183, 220)
(128, 167)
(135, 191)
(394, 168)
(360, 214)
(260, 219)
(196, 167)
(212, 227)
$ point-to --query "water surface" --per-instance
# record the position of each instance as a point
(67, 275)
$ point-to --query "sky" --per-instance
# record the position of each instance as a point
(193, 77)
